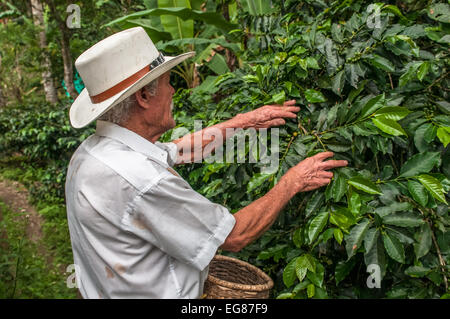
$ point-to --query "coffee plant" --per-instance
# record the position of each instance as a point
(372, 82)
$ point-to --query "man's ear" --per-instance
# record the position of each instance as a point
(143, 98)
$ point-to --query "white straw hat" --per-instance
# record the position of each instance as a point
(115, 68)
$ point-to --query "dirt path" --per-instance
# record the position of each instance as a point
(15, 195)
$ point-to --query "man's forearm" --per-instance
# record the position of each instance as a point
(253, 220)
(192, 146)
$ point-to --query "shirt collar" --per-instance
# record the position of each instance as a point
(132, 140)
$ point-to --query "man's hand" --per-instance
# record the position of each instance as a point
(253, 220)
(268, 115)
(312, 173)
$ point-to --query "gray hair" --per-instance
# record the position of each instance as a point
(120, 113)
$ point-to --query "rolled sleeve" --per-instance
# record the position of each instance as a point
(172, 151)
(181, 222)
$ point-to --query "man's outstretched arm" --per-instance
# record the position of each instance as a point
(192, 146)
(255, 219)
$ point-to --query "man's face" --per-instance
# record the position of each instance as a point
(163, 107)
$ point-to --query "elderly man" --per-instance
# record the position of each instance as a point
(138, 230)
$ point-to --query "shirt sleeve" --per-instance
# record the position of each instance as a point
(172, 151)
(181, 222)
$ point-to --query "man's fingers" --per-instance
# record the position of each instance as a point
(325, 174)
(290, 102)
(282, 113)
(333, 164)
(323, 155)
(275, 122)
(290, 108)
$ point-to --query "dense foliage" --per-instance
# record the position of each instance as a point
(377, 97)
(372, 82)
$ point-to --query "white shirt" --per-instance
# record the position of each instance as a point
(138, 230)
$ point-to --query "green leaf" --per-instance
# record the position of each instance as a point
(212, 18)
(373, 105)
(218, 64)
(417, 271)
(343, 268)
(311, 290)
(307, 261)
(394, 113)
(395, 10)
(393, 207)
(443, 133)
(177, 27)
(403, 219)
(337, 188)
(423, 70)
(297, 237)
(354, 203)
(314, 203)
(342, 218)
(317, 277)
(314, 96)
(371, 238)
(300, 286)
(388, 126)
(338, 82)
(300, 271)
(286, 295)
(439, 12)
(418, 192)
(420, 163)
(433, 186)
(356, 236)
(364, 185)
(289, 273)
(257, 180)
(423, 241)
(394, 248)
(419, 137)
(279, 98)
(312, 63)
(338, 235)
(400, 234)
(317, 225)
(154, 33)
(376, 255)
(381, 63)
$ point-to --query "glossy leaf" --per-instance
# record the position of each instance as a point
(433, 186)
(356, 236)
(289, 274)
(403, 219)
(317, 225)
(364, 185)
(314, 96)
(418, 192)
(388, 126)
(394, 248)
(423, 241)
(394, 113)
(443, 133)
(420, 163)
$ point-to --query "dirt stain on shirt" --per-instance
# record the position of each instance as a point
(109, 272)
(120, 269)
(139, 223)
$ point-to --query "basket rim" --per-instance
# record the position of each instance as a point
(228, 284)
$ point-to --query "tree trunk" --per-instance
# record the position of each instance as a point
(65, 50)
(49, 87)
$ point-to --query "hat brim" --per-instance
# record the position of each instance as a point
(83, 111)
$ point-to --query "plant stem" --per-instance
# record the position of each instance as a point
(438, 250)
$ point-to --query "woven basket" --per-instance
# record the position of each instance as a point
(231, 278)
